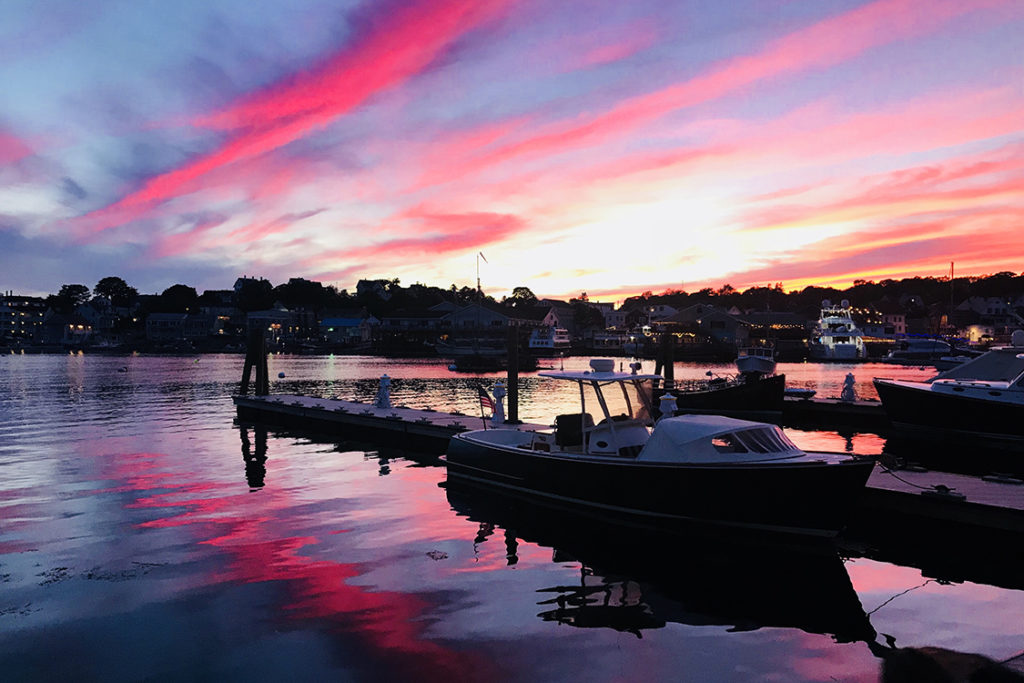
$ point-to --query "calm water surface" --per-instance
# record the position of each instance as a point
(145, 535)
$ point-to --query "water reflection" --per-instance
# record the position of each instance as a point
(635, 579)
(255, 460)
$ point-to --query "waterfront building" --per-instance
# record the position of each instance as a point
(21, 317)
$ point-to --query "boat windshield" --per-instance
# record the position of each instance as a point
(998, 365)
(766, 439)
(629, 399)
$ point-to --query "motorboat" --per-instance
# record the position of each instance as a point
(982, 398)
(683, 469)
(756, 360)
(837, 336)
(742, 393)
(919, 349)
(549, 341)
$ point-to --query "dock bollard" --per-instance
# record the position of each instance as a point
(383, 393)
(849, 394)
(498, 391)
(667, 405)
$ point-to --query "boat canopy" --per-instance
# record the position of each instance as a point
(715, 439)
(602, 377)
(1004, 364)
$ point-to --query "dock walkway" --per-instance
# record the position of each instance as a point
(431, 429)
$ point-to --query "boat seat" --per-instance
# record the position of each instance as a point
(569, 428)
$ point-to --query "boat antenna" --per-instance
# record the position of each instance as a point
(950, 319)
(479, 255)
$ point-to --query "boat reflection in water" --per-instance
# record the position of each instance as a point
(638, 578)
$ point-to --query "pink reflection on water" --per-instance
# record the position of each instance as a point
(257, 536)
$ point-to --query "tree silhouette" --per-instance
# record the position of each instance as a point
(115, 289)
(179, 299)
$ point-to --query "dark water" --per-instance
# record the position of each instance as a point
(144, 535)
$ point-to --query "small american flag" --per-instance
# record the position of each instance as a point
(485, 399)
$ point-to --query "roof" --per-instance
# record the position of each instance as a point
(342, 322)
(588, 376)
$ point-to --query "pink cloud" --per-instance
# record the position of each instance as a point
(819, 46)
(12, 149)
(442, 234)
(403, 46)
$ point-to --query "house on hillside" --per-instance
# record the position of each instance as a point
(348, 327)
(60, 328)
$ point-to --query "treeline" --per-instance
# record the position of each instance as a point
(911, 293)
(382, 297)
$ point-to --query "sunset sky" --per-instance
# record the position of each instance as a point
(598, 146)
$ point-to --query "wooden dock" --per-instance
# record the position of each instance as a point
(993, 502)
(815, 413)
(901, 495)
(831, 413)
(420, 429)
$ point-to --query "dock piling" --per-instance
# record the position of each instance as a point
(256, 356)
(512, 385)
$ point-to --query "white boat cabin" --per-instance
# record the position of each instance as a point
(623, 401)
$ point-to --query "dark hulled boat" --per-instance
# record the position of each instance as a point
(982, 399)
(693, 468)
(745, 392)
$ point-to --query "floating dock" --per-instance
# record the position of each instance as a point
(421, 429)
(814, 413)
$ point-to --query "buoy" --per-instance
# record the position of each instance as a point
(280, 375)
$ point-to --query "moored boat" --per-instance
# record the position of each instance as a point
(837, 336)
(685, 469)
(549, 341)
(736, 394)
(982, 398)
(756, 360)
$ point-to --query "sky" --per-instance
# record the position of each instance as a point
(581, 146)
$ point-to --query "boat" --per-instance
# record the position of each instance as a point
(756, 360)
(549, 341)
(741, 393)
(481, 355)
(982, 398)
(703, 469)
(919, 349)
(837, 336)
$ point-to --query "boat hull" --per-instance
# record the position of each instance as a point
(919, 410)
(763, 394)
(802, 497)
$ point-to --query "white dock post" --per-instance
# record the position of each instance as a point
(498, 391)
(383, 393)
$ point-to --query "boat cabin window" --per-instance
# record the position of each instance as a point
(767, 439)
(728, 443)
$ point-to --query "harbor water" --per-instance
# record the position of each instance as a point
(145, 534)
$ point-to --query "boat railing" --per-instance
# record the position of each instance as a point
(712, 384)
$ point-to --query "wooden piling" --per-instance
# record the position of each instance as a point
(256, 356)
(664, 363)
(513, 376)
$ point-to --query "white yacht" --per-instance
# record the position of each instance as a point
(549, 341)
(756, 360)
(837, 336)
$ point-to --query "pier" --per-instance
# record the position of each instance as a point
(925, 500)
(431, 429)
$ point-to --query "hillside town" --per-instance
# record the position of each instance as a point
(384, 318)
